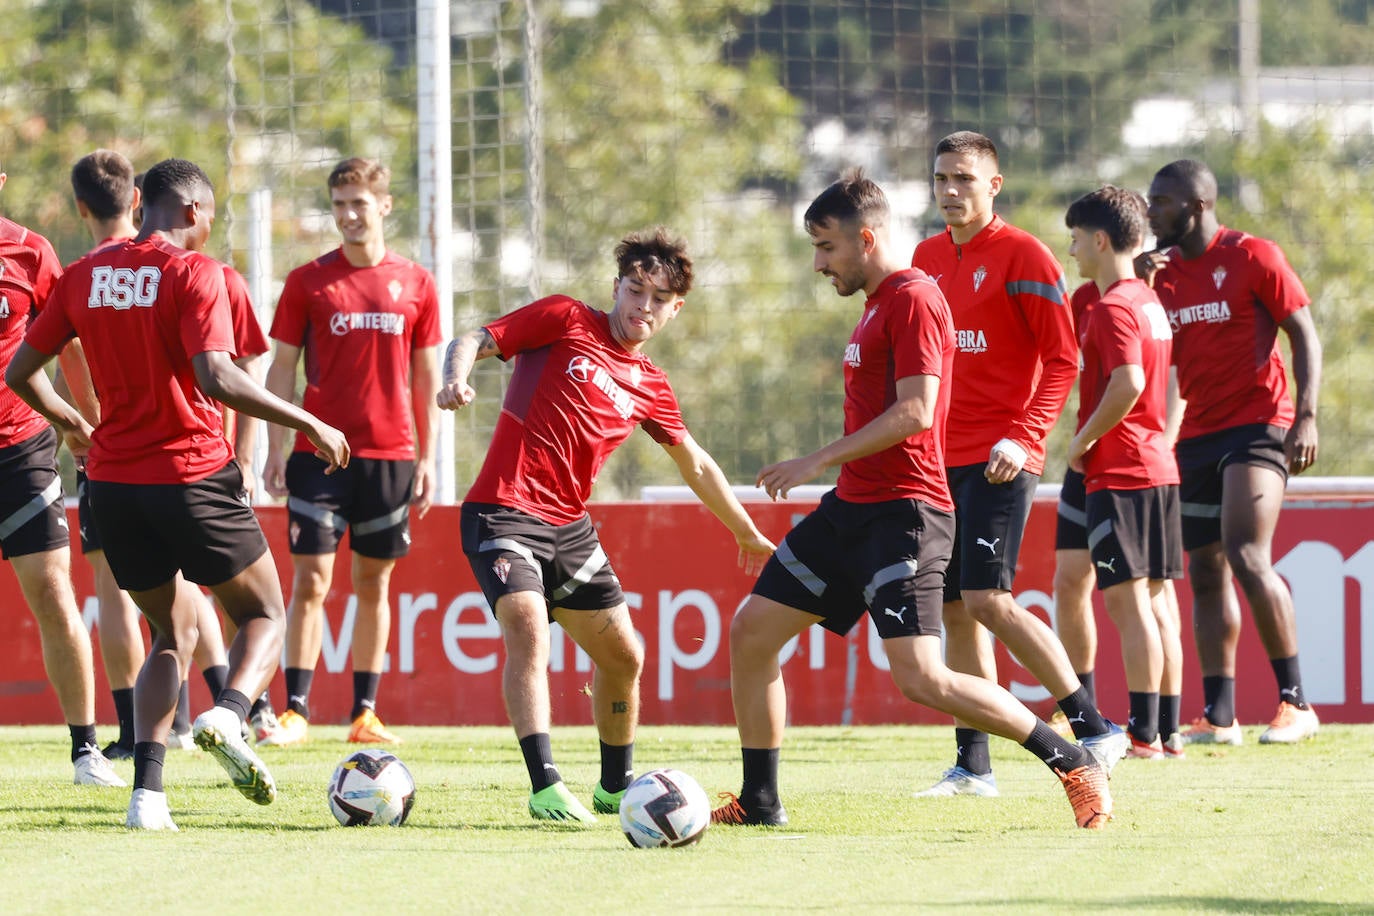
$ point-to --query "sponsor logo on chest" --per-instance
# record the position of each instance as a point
(852, 356)
(971, 340)
(583, 371)
(340, 323)
(1206, 313)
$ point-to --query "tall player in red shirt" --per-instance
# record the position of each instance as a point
(1227, 295)
(165, 490)
(1123, 452)
(33, 520)
(880, 541)
(1014, 367)
(581, 386)
(367, 322)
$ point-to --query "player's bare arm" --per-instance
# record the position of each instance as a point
(281, 381)
(913, 412)
(1124, 387)
(75, 377)
(219, 378)
(1300, 444)
(246, 429)
(462, 353)
(700, 472)
(26, 378)
(424, 384)
(1174, 406)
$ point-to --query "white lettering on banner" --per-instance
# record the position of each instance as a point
(670, 655)
(410, 609)
(90, 612)
(558, 650)
(1317, 573)
(877, 655)
(1031, 599)
(815, 645)
(453, 631)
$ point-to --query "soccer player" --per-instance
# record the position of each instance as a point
(1227, 294)
(880, 541)
(166, 493)
(1122, 450)
(33, 521)
(103, 184)
(367, 321)
(581, 386)
(1013, 369)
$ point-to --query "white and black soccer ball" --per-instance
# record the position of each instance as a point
(664, 808)
(371, 787)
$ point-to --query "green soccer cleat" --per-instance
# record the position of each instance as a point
(604, 802)
(556, 803)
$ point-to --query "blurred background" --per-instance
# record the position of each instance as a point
(527, 136)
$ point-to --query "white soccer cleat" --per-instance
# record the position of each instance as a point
(180, 741)
(148, 811)
(959, 781)
(93, 768)
(1290, 725)
(1108, 749)
(219, 731)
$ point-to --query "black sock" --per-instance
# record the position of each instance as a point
(971, 751)
(1170, 708)
(216, 676)
(617, 766)
(298, 690)
(365, 685)
(1144, 724)
(1082, 714)
(538, 753)
(1290, 681)
(235, 700)
(149, 757)
(262, 704)
(760, 786)
(181, 720)
(1089, 683)
(124, 712)
(1055, 752)
(1219, 699)
(83, 739)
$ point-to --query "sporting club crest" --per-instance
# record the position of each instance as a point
(1219, 276)
(502, 569)
(979, 276)
(395, 288)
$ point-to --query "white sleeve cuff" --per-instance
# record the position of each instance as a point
(1013, 451)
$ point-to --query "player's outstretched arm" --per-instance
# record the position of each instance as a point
(462, 353)
(700, 472)
(26, 378)
(281, 381)
(913, 412)
(219, 378)
(1300, 444)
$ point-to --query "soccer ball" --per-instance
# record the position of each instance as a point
(664, 808)
(370, 787)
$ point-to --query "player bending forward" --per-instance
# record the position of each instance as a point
(881, 540)
(581, 386)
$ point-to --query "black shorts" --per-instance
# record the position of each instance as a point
(205, 529)
(888, 558)
(511, 551)
(1071, 525)
(1202, 463)
(33, 518)
(990, 521)
(90, 535)
(1134, 534)
(370, 499)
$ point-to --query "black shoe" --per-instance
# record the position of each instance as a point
(734, 812)
(116, 751)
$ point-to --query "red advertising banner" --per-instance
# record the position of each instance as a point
(678, 568)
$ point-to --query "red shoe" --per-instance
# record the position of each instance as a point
(1087, 791)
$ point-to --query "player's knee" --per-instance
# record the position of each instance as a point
(1249, 562)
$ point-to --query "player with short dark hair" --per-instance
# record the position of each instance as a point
(1227, 295)
(1122, 449)
(581, 386)
(366, 321)
(33, 520)
(1013, 369)
(880, 541)
(166, 493)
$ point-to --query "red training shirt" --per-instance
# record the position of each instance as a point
(1127, 327)
(1225, 307)
(575, 395)
(142, 311)
(359, 328)
(1017, 356)
(28, 270)
(905, 330)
